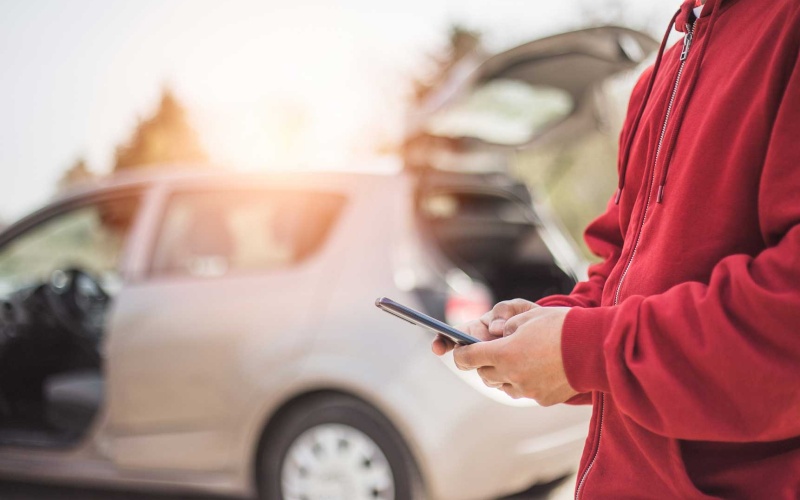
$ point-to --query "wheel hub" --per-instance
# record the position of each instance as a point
(336, 462)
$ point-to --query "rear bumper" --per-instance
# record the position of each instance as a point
(472, 442)
(508, 463)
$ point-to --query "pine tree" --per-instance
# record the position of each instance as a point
(462, 43)
(78, 173)
(166, 138)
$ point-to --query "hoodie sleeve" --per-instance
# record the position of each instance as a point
(717, 361)
(604, 239)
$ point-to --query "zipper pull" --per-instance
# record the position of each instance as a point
(687, 42)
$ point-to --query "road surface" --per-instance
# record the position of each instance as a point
(27, 491)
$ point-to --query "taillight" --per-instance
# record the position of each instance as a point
(466, 299)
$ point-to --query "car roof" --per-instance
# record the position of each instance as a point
(195, 175)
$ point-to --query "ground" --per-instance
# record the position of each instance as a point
(26, 491)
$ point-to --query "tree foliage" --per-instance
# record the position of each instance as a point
(462, 43)
(78, 173)
(166, 138)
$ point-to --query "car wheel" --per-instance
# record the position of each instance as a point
(335, 447)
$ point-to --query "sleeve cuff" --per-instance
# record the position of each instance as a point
(556, 301)
(582, 339)
(584, 398)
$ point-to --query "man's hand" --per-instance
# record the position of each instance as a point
(527, 361)
(490, 326)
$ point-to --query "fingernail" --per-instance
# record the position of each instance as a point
(497, 324)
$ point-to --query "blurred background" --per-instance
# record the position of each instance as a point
(90, 86)
(210, 168)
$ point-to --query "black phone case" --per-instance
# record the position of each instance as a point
(425, 321)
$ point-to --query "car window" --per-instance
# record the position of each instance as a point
(210, 234)
(90, 237)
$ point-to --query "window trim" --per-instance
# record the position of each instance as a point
(55, 209)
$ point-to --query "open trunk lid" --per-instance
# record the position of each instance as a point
(462, 134)
(514, 98)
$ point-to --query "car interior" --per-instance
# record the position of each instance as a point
(58, 278)
(485, 224)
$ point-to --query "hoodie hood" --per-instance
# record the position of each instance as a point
(686, 13)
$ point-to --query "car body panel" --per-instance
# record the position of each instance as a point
(223, 328)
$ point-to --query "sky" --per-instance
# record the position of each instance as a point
(255, 76)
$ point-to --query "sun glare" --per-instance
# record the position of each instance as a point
(291, 97)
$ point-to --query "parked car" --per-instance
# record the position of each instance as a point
(217, 332)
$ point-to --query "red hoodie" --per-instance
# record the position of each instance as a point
(687, 336)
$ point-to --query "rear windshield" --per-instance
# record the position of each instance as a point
(507, 112)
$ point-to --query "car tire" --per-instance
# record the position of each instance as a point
(311, 426)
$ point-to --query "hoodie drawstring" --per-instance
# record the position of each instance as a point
(689, 92)
(629, 143)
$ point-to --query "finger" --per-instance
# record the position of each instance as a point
(491, 333)
(491, 377)
(513, 324)
(505, 310)
(477, 329)
(441, 345)
(511, 391)
(469, 357)
(487, 318)
(517, 321)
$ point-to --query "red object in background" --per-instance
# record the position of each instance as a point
(466, 306)
(687, 334)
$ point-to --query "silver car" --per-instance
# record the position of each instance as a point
(217, 333)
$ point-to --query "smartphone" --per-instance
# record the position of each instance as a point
(425, 321)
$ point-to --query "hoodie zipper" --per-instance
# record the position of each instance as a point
(687, 44)
(596, 449)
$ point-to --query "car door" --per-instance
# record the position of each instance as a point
(51, 376)
(232, 275)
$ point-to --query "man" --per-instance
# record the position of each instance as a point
(686, 338)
